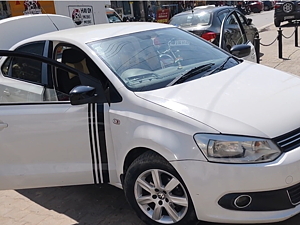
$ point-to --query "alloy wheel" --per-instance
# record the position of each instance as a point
(161, 196)
(287, 7)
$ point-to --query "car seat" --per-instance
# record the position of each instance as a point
(76, 59)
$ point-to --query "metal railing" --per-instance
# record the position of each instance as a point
(279, 38)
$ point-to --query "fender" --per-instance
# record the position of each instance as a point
(170, 140)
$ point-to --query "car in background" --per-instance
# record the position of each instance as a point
(256, 6)
(25, 26)
(268, 5)
(112, 16)
(206, 22)
(286, 11)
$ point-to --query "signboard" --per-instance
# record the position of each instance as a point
(163, 15)
(82, 15)
(18, 8)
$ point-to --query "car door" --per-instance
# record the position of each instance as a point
(233, 33)
(250, 30)
(44, 140)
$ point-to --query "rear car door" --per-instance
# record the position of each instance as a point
(44, 140)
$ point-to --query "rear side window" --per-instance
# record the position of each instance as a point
(22, 68)
(185, 20)
(34, 48)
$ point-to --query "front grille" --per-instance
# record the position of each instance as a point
(294, 194)
(288, 141)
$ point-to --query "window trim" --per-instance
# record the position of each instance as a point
(88, 79)
(233, 12)
(43, 68)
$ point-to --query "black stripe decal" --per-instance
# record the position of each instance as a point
(102, 139)
(96, 141)
(91, 142)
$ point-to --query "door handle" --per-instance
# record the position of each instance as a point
(3, 125)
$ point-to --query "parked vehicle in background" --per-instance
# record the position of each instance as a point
(268, 5)
(83, 13)
(286, 11)
(256, 6)
(243, 7)
(206, 23)
(112, 16)
(22, 27)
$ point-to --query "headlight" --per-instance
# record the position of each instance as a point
(236, 149)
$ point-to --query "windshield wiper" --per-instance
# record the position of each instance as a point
(221, 67)
(191, 73)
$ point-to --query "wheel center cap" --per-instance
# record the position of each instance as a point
(161, 196)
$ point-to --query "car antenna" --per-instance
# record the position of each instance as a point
(52, 22)
(49, 18)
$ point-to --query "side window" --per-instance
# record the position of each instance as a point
(234, 32)
(76, 58)
(22, 68)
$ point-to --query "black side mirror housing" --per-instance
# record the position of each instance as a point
(249, 21)
(241, 51)
(82, 95)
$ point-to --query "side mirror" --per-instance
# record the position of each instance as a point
(241, 51)
(249, 21)
(82, 95)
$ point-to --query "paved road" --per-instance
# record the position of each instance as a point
(262, 19)
(82, 205)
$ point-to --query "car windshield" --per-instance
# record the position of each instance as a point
(112, 17)
(191, 19)
(152, 59)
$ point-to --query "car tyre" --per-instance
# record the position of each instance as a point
(277, 23)
(266, 8)
(157, 193)
(255, 10)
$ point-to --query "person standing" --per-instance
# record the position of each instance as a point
(150, 14)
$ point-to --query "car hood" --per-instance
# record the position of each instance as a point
(248, 99)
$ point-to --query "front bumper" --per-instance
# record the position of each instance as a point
(209, 183)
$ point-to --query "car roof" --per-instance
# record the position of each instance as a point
(96, 32)
(18, 28)
(200, 9)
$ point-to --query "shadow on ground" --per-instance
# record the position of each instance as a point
(92, 205)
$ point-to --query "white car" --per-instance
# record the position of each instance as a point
(189, 131)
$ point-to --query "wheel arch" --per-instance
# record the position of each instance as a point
(132, 155)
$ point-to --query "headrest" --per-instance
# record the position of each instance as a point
(72, 56)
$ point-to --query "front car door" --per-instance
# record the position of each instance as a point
(44, 140)
(250, 30)
(233, 33)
